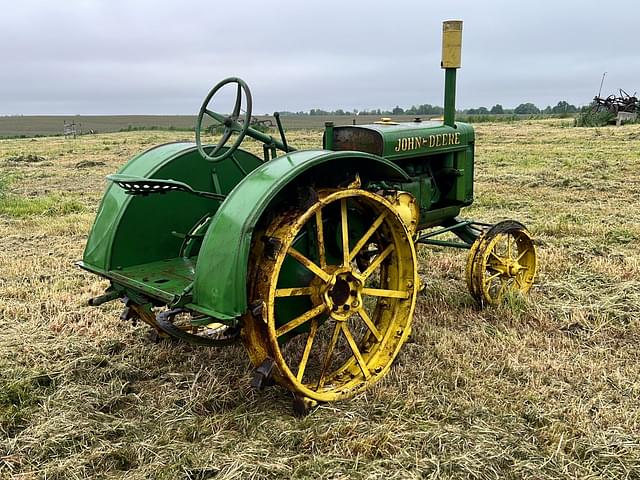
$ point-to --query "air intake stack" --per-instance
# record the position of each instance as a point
(451, 55)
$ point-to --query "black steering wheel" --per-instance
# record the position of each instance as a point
(230, 122)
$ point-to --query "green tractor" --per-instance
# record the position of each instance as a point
(307, 256)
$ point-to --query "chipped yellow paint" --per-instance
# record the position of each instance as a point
(501, 261)
(359, 316)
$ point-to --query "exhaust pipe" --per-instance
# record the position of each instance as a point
(451, 56)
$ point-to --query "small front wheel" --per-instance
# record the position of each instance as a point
(501, 261)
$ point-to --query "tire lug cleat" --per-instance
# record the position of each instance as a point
(262, 375)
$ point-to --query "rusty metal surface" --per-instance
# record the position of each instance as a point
(617, 103)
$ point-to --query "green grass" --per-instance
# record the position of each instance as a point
(542, 387)
(21, 395)
(47, 205)
(4, 185)
(597, 119)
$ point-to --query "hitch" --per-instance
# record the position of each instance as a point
(108, 296)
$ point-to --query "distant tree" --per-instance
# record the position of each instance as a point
(547, 110)
(497, 109)
(526, 109)
(564, 107)
(424, 109)
(397, 110)
(477, 111)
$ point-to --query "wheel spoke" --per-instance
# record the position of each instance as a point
(517, 280)
(307, 349)
(296, 322)
(526, 250)
(345, 231)
(225, 137)
(213, 115)
(498, 258)
(293, 292)
(381, 292)
(236, 108)
(354, 348)
(377, 261)
(508, 246)
(328, 354)
(367, 320)
(309, 264)
(320, 233)
(365, 238)
(491, 277)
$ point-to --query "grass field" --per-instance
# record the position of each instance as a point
(16, 126)
(545, 387)
(32, 125)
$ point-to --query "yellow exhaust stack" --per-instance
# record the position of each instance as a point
(451, 59)
(451, 43)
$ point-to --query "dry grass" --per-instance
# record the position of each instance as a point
(545, 387)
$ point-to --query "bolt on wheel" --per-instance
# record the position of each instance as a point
(502, 261)
(332, 325)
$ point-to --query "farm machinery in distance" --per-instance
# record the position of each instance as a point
(308, 256)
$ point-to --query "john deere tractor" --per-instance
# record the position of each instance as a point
(307, 256)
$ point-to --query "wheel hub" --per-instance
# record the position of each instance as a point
(507, 267)
(342, 294)
(514, 268)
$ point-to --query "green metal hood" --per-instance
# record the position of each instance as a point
(403, 140)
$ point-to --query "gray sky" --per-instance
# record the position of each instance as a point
(153, 57)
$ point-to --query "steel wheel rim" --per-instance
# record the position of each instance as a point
(384, 325)
(502, 261)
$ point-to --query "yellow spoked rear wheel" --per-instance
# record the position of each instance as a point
(332, 322)
(501, 261)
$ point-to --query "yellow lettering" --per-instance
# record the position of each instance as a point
(438, 140)
(457, 138)
(452, 139)
(397, 149)
(432, 141)
(445, 137)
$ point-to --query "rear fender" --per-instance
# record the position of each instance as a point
(220, 287)
(132, 230)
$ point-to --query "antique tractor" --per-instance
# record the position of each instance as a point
(308, 256)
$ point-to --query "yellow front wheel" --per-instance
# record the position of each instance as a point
(502, 261)
(333, 292)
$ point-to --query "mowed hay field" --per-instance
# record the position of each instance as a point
(544, 387)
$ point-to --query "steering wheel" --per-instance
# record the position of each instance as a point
(230, 122)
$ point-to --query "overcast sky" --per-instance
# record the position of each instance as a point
(161, 57)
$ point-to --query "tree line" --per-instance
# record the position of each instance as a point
(528, 108)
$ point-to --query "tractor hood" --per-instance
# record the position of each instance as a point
(393, 140)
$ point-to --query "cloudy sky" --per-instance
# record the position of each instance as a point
(161, 57)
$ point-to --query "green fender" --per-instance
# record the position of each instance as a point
(220, 286)
(136, 230)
